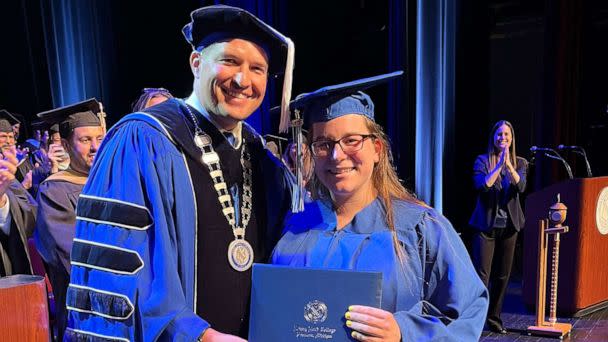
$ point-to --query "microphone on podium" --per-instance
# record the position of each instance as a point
(578, 150)
(551, 153)
(564, 147)
(541, 149)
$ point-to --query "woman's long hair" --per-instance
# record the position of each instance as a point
(384, 180)
(494, 153)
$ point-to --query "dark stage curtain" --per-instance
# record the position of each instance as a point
(77, 38)
(82, 60)
(436, 33)
(271, 12)
(400, 121)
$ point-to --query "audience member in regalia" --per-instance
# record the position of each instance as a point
(24, 167)
(82, 127)
(17, 210)
(364, 219)
(289, 157)
(150, 97)
(46, 153)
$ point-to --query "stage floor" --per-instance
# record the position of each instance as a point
(593, 327)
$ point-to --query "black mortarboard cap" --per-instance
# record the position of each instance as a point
(279, 141)
(12, 118)
(81, 114)
(5, 126)
(7, 120)
(45, 126)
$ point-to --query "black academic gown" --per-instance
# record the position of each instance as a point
(57, 198)
(14, 255)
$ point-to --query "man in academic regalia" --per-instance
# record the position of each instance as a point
(184, 197)
(23, 166)
(45, 150)
(17, 210)
(81, 125)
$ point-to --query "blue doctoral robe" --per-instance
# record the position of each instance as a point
(134, 257)
(435, 294)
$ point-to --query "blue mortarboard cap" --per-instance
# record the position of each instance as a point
(326, 104)
(81, 114)
(212, 24)
(337, 100)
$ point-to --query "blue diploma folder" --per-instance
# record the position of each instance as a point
(307, 304)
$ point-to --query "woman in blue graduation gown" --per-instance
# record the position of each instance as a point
(364, 219)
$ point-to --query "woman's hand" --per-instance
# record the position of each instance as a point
(507, 157)
(372, 324)
(212, 335)
(511, 171)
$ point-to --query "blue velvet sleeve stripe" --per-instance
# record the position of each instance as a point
(98, 302)
(105, 257)
(113, 212)
(76, 335)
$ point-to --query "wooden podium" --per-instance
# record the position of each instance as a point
(24, 314)
(583, 274)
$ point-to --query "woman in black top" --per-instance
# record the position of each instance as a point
(499, 177)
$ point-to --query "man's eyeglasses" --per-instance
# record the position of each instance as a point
(349, 144)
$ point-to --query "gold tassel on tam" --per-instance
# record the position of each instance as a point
(102, 117)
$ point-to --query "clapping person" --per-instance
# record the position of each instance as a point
(499, 176)
(45, 163)
(17, 210)
(24, 167)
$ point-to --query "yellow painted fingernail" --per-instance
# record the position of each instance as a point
(350, 308)
(349, 323)
(347, 315)
(353, 334)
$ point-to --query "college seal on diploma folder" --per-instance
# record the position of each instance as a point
(292, 304)
(315, 312)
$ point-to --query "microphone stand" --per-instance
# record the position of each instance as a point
(581, 151)
(557, 156)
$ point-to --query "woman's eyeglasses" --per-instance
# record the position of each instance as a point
(349, 144)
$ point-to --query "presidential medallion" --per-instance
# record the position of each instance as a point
(240, 255)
